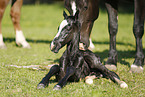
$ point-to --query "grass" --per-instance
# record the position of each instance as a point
(39, 24)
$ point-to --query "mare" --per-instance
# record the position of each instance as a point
(15, 16)
(74, 64)
(89, 13)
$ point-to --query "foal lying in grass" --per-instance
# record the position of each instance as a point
(74, 63)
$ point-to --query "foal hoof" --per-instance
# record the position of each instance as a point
(136, 69)
(40, 86)
(57, 87)
(123, 85)
(111, 67)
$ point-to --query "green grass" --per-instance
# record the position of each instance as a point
(39, 24)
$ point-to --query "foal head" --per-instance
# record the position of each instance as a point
(68, 27)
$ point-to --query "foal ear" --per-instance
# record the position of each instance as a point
(65, 15)
(77, 14)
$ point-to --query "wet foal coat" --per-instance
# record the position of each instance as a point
(74, 63)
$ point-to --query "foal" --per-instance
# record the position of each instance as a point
(74, 63)
(15, 16)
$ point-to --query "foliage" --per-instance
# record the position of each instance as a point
(39, 24)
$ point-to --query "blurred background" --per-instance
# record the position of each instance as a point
(39, 1)
(125, 6)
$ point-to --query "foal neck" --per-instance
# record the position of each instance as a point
(73, 45)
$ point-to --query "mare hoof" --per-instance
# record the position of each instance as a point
(111, 67)
(3, 46)
(91, 46)
(123, 85)
(40, 86)
(57, 87)
(24, 44)
(136, 69)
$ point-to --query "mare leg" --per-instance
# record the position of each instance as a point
(85, 34)
(15, 16)
(112, 7)
(3, 4)
(45, 81)
(69, 72)
(138, 30)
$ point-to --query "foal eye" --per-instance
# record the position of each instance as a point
(68, 27)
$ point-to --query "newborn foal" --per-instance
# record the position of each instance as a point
(74, 63)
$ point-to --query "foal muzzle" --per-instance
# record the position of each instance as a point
(52, 46)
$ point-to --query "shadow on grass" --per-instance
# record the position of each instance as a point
(29, 40)
(118, 43)
(121, 54)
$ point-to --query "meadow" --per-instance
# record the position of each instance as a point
(39, 24)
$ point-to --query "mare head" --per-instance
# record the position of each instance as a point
(66, 30)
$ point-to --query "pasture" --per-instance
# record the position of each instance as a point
(39, 24)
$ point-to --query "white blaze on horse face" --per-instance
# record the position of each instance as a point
(62, 25)
(73, 6)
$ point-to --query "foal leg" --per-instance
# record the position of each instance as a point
(15, 16)
(3, 4)
(112, 7)
(95, 63)
(45, 81)
(138, 30)
(69, 72)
